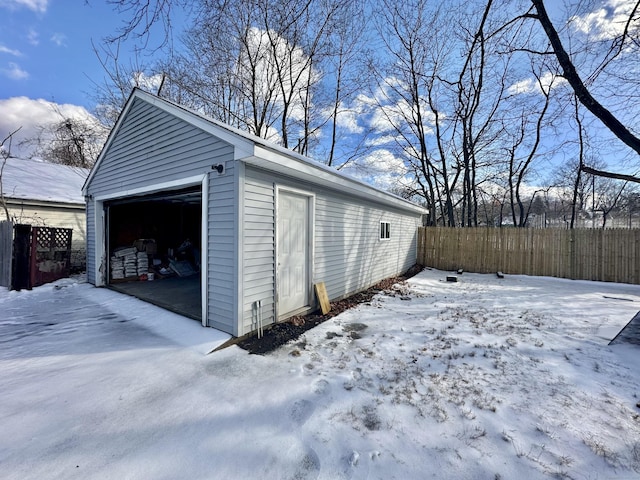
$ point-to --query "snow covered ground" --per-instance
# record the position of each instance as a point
(480, 379)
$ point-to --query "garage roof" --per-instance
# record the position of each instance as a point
(257, 151)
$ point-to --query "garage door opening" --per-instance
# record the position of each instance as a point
(154, 249)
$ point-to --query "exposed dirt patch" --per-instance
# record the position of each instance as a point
(281, 333)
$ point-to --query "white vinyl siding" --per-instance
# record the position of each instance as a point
(152, 147)
(52, 215)
(222, 248)
(348, 251)
(57, 216)
(258, 267)
(348, 254)
(91, 243)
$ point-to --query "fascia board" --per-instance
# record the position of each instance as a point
(20, 202)
(107, 144)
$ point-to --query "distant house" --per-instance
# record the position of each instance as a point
(261, 224)
(49, 195)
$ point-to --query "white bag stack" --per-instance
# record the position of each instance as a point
(117, 268)
(143, 263)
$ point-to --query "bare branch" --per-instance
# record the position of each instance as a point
(617, 176)
(572, 76)
(617, 46)
(9, 138)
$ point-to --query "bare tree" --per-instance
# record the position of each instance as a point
(68, 141)
(608, 198)
(344, 40)
(141, 16)
(578, 174)
(401, 88)
(111, 93)
(444, 79)
(5, 154)
(477, 107)
(443, 95)
(269, 67)
(629, 205)
(524, 149)
(230, 70)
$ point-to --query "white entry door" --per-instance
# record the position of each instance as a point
(293, 252)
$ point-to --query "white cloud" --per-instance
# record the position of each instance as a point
(607, 22)
(32, 37)
(531, 85)
(30, 115)
(385, 161)
(150, 83)
(59, 39)
(385, 119)
(39, 6)
(14, 72)
(10, 51)
(388, 119)
(380, 140)
(347, 118)
(386, 111)
(381, 168)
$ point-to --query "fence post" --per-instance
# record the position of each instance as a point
(6, 253)
(20, 261)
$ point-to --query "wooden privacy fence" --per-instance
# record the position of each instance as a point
(605, 255)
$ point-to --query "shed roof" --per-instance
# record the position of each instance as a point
(257, 151)
(42, 181)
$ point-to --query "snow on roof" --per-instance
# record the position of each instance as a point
(36, 180)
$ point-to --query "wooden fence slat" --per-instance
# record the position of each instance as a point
(583, 254)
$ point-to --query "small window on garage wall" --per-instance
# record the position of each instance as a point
(385, 230)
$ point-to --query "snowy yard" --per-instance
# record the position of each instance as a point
(486, 378)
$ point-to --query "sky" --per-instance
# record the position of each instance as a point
(47, 60)
(48, 68)
(484, 378)
(46, 48)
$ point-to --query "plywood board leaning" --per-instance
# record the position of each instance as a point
(323, 298)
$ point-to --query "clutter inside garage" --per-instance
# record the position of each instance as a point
(154, 250)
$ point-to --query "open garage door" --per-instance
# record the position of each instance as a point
(154, 251)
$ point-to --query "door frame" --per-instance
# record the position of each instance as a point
(310, 247)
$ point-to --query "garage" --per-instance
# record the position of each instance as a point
(154, 251)
(249, 230)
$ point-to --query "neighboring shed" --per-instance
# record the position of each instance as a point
(265, 223)
(47, 195)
